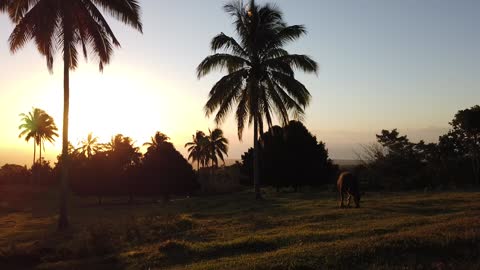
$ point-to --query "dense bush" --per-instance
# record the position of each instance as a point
(166, 172)
(290, 157)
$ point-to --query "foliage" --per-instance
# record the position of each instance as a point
(217, 146)
(14, 174)
(40, 127)
(464, 139)
(119, 169)
(207, 149)
(197, 149)
(291, 156)
(89, 146)
(65, 25)
(261, 78)
(397, 163)
(164, 170)
(44, 173)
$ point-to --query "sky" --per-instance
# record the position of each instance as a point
(405, 64)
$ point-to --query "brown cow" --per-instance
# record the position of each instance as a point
(347, 184)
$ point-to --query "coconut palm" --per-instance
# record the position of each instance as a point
(261, 80)
(217, 146)
(47, 130)
(89, 146)
(65, 26)
(29, 128)
(39, 126)
(123, 151)
(157, 140)
(196, 148)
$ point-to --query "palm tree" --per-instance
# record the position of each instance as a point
(46, 131)
(196, 148)
(40, 126)
(89, 146)
(157, 140)
(123, 152)
(261, 79)
(63, 26)
(29, 128)
(217, 146)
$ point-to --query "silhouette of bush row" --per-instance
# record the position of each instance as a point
(119, 169)
(15, 174)
(41, 173)
(290, 157)
(396, 163)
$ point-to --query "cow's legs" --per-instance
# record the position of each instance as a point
(349, 199)
(341, 199)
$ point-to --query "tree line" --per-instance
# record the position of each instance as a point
(395, 162)
(118, 168)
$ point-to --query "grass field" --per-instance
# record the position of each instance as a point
(285, 231)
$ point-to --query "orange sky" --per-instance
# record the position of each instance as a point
(406, 64)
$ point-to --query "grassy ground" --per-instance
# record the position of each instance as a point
(285, 231)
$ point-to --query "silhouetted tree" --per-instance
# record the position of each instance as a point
(165, 171)
(124, 157)
(197, 148)
(403, 164)
(122, 150)
(29, 128)
(47, 130)
(261, 79)
(463, 140)
(217, 146)
(39, 126)
(89, 146)
(14, 174)
(397, 163)
(157, 141)
(45, 173)
(291, 156)
(63, 26)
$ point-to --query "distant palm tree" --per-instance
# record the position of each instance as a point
(29, 128)
(89, 146)
(63, 26)
(39, 126)
(123, 151)
(261, 79)
(196, 148)
(217, 146)
(157, 140)
(46, 130)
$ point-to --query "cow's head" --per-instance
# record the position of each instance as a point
(356, 199)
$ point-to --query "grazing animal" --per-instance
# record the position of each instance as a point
(348, 185)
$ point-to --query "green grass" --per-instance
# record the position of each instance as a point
(285, 231)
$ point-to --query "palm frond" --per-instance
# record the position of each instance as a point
(221, 61)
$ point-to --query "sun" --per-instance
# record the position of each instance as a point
(107, 105)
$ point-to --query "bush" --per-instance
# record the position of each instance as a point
(290, 156)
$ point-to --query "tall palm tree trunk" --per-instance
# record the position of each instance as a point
(40, 155)
(32, 179)
(34, 151)
(256, 160)
(63, 218)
